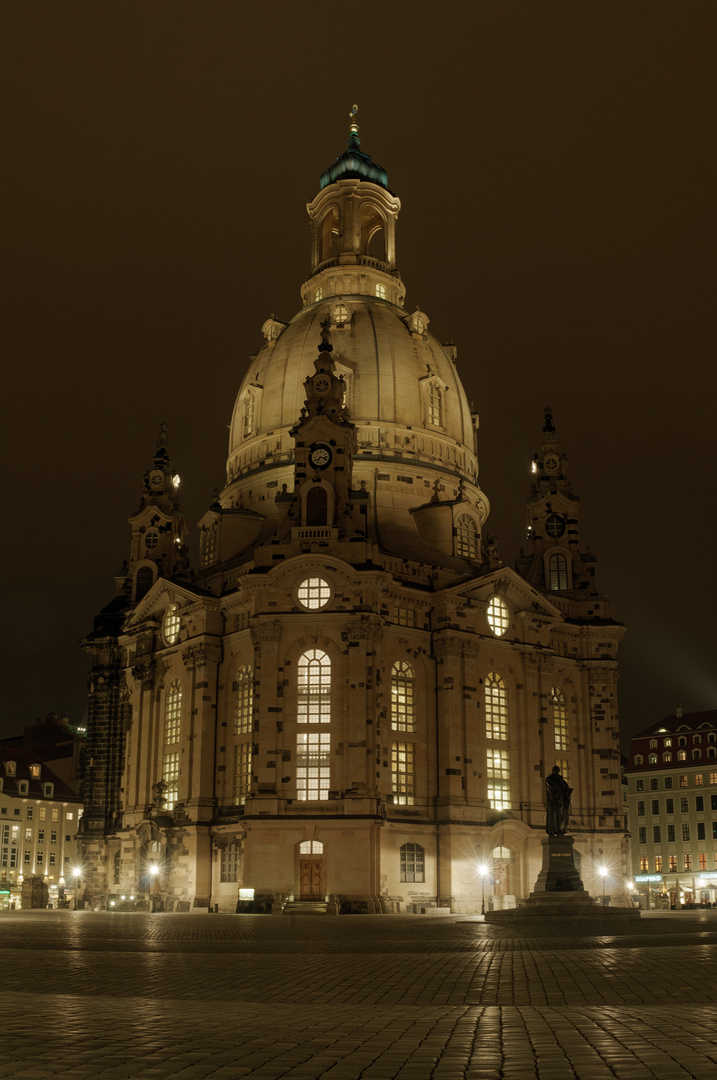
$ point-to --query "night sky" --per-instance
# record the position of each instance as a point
(556, 168)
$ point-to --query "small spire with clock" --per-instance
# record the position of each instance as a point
(158, 527)
(325, 445)
(554, 563)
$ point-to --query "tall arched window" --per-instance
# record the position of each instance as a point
(172, 730)
(314, 688)
(560, 718)
(244, 701)
(466, 537)
(316, 506)
(173, 713)
(143, 581)
(313, 709)
(496, 708)
(557, 573)
(402, 697)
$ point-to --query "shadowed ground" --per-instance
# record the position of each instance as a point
(112, 996)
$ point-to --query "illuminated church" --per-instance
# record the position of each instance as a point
(351, 703)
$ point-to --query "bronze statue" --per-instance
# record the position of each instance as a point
(557, 803)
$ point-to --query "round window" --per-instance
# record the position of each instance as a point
(151, 539)
(314, 593)
(171, 624)
(555, 526)
(497, 616)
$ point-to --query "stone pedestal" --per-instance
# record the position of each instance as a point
(558, 873)
(559, 890)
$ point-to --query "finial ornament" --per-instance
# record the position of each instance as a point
(548, 419)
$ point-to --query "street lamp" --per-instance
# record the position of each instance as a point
(603, 871)
(483, 871)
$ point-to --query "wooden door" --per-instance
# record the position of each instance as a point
(310, 874)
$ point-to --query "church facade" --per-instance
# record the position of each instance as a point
(351, 701)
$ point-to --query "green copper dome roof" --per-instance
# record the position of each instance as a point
(354, 165)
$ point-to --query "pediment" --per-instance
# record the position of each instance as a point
(515, 590)
(156, 601)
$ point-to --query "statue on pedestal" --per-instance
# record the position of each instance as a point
(557, 803)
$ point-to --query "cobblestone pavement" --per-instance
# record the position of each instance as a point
(100, 996)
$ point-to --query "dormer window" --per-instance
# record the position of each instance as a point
(340, 315)
(10, 768)
(35, 771)
(417, 323)
(667, 742)
(653, 744)
(466, 537)
(48, 790)
(653, 759)
(23, 787)
(639, 759)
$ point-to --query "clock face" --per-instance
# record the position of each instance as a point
(320, 456)
(156, 478)
(555, 526)
(321, 384)
(551, 463)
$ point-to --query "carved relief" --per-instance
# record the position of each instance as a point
(266, 631)
(201, 655)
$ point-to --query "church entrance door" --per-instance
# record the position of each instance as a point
(310, 877)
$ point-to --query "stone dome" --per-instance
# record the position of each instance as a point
(415, 431)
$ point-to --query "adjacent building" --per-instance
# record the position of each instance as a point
(672, 809)
(351, 700)
(39, 819)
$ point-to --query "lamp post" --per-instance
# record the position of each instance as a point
(603, 874)
(482, 870)
(153, 871)
(77, 874)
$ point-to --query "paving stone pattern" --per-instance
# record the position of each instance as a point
(101, 996)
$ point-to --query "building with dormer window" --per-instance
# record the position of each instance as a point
(352, 702)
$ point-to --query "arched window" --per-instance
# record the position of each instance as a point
(314, 688)
(311, 847)
(667, 756)
(466, 537)
(316, 505)
(249, 416)
(313, 708)
(560, 718)
(496, 708)
(413, 862)
(557, 573)
(230, 862)
(652, 759)
(402, 697)
(244, 703)
(653, 744)
(172, 729)
(682, 755)
(116, 867)
(381, 292)
(173, 713)
(143, 581)
(696, 754)
(639, 759)
(171, 624)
